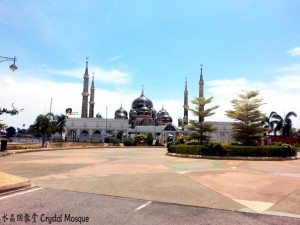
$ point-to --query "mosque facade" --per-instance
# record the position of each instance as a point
(142, 118)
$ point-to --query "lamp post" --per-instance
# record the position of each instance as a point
(13, 66)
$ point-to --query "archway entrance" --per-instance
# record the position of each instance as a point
(72, 136)
(84, 136)
(96, 136)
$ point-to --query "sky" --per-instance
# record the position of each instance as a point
(151, 44)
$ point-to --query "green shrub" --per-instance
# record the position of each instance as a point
(140, 138)
(234, 143)
(127, 142)
(261, 151)
(215, 148)
(193, 142)
(149, 139)
(116, 141)
(173, 143)
(187, 149)
(183, 139)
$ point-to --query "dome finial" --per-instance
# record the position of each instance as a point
(86, 66)
(201, 76)
(142, 90)
(93, 85)
(87, 61)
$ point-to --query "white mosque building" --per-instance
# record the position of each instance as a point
(142, 118)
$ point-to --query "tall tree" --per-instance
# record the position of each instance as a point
(44, 125)
(283, 125)
(269, 123)
(13, 111)
(60, 121)
(10, 131)
(287, 127)
(247, 128)
(201, 127)
(2, 126)
(277, 120)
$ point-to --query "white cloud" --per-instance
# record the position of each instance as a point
(294, 51)
(289, 70)
(113, 76)
(280, 95)
(33, 94)
(114, 58)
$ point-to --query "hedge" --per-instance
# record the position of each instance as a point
(187, 149)
(233, 150)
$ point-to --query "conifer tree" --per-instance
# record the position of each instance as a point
(247, 128)
(201, 128)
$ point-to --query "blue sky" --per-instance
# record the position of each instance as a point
(249, 44)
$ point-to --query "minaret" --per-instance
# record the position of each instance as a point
(201, 92)
(185, 110)
(92, 99)
(85, 93)
(201, 84)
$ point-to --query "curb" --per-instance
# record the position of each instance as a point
(232, 157)
(12, 152)
(4, 153)
(14, 187)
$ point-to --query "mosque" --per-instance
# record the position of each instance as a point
(142, 118)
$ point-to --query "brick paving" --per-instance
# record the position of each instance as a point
(270, 187)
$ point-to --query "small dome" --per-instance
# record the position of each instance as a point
(99, 116)
(144, 110)
(164, 116)
(121, 113)
(154, 113)
(162, 112)
(132, 112)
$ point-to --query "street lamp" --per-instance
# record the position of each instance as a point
(13, 66)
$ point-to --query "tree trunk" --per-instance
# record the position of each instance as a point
(43, 140)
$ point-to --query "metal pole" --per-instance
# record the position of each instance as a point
(50, 105)
(106, 121)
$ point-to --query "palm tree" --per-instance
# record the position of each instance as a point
(269, 123)
(60, 121)
(44, 125)
(283, 125)
(287, 126)
(277, 122)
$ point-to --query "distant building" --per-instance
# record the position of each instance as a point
(223, 129)
(142, 118)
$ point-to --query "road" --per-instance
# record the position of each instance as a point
(49, 206)
(106, 184)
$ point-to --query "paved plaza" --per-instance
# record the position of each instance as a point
(268, 187)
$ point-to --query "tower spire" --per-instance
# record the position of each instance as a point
(86, 66)
(201, 91)
(201, 76)
(92, 99)
(85, 93)
(201, 83)
(185, 105)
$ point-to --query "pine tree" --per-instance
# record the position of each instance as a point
(201, 128)
(247, 129)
